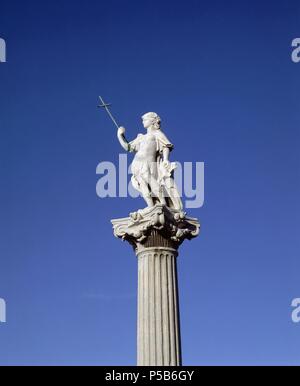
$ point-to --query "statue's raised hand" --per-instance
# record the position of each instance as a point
(121, 137)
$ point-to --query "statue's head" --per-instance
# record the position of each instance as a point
(151, 120)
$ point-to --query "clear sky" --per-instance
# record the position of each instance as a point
(221, 77)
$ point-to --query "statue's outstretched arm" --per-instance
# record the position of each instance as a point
(121, 137)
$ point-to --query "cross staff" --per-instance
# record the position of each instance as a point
(105, 106)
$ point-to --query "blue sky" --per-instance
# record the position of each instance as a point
(221, 77)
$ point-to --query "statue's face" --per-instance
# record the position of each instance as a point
(147, 122)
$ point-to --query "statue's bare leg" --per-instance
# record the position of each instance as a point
(144, 189)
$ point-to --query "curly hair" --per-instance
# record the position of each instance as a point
(154, 118)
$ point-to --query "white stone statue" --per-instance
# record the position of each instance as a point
(152, 172)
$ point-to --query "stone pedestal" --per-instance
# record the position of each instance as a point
(155, 234)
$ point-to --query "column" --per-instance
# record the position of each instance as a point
(155, 234)
(158, 342)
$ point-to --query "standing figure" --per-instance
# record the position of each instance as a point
(152, 172)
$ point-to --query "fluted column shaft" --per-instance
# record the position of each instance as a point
(158, 313)
(155, 233)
